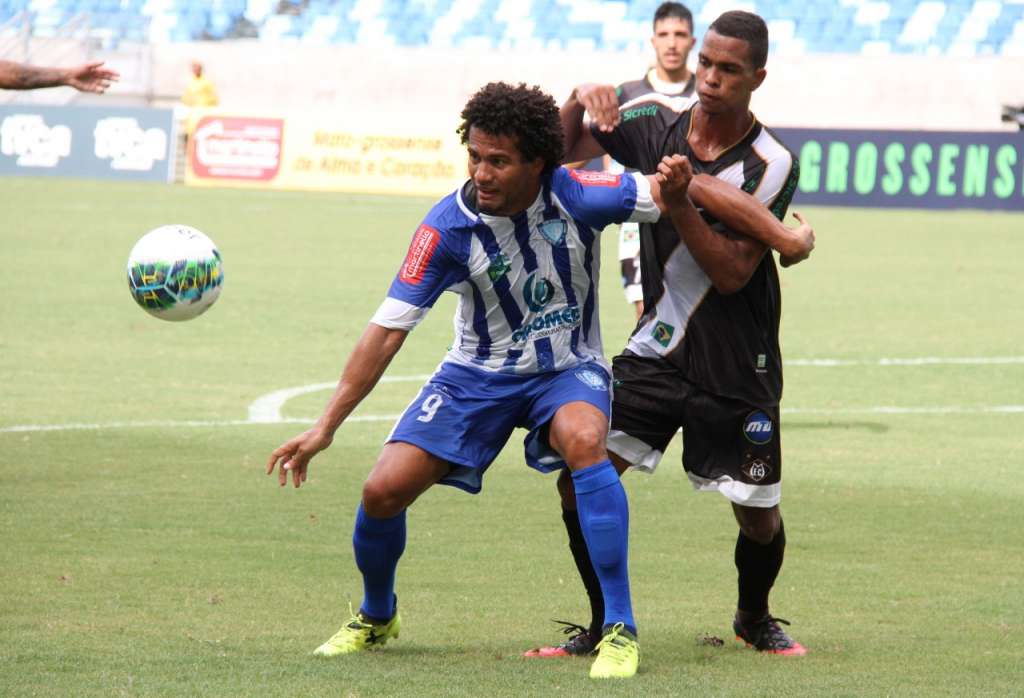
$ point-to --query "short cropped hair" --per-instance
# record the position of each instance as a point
(527, 114)
(748, 27)
(674, 10)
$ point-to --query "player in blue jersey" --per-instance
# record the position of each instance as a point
(518, 243)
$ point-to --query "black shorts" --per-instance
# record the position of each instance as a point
(728, 445)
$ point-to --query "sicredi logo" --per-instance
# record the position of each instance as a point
(33, 142)
(421, 249)
(127, 145)
(237, 148)
(758, 427)
(589, 178)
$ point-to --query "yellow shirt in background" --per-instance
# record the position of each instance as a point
(200, 92)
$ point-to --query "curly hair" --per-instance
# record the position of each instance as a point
(525, 113)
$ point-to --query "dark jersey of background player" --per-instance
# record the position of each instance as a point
(726, 344)
(629, 91)
(672, 41)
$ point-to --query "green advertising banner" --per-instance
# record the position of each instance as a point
(909, 169)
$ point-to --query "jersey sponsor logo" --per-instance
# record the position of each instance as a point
(589, 178)
(592, 379)
(662, 333)
(637, 112)
(554, 231)
(548, 324)
(421, 249)
(537, 292)
(756, 470)
(499, 267)
(758, 427)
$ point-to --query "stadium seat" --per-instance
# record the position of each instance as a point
(961, 27)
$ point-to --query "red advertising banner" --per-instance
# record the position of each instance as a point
(236, 148)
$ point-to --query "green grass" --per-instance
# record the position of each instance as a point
(160, 560)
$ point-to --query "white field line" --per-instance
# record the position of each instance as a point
(266, 409)
(820, 411)
(914, 361)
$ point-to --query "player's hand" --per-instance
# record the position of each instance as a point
(804, 234)
(294, 455)
(602, 103)
(91, 77)
(674, 175)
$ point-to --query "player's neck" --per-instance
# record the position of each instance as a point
(670, 77)
(711, 134)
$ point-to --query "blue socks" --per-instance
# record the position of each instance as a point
(378, 544)
(604, 518)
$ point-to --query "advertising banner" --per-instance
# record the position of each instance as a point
(365, 153)
(94, 142)
(909, 169)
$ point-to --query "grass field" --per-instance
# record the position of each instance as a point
(146, 553)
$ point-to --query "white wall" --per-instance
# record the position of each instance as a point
(909, 92)
(913, 92)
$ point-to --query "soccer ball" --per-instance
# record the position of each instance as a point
(175, 272)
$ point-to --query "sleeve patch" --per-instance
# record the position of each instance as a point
(421, 249)
(589, 178)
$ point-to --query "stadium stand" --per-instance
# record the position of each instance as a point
(868, 27)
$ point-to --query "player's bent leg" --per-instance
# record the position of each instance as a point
(760, 548)
(582, 640)
(401, 474)
(578, 432)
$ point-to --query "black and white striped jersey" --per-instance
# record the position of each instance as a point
(725, 344)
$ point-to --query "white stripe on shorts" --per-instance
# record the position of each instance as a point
(760, 496)
(641, 456)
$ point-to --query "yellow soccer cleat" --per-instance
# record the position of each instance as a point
(359, 634)
(618, 655)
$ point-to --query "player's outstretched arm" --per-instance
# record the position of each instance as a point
(728, 260)
(601, 102)
(366, 364)
(91, 77)
(744, 214)
(88, 77)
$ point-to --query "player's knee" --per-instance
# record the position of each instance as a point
(381, 501)
(584, 447)
(763, 528)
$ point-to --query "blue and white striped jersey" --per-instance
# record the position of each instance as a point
(527, 285)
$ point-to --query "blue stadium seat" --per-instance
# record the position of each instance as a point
(822, 26)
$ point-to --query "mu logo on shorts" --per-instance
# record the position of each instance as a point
(758, 428)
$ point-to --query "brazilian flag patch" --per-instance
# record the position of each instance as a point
(662, 333)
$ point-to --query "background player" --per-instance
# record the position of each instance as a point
(705, 355)
(672, 41)
(88, 77)
(517, 242)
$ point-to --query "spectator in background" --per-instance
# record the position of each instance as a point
(200, 92)
(88, 77)
(672, 41)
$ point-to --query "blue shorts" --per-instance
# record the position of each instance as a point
(465, 415)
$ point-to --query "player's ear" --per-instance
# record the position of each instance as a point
(759, 75)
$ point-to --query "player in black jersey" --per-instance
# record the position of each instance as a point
(672, 42)
(705, 355)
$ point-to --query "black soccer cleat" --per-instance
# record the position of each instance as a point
(580, 644)
(765, 635)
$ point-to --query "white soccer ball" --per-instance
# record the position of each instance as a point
(175, 272)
